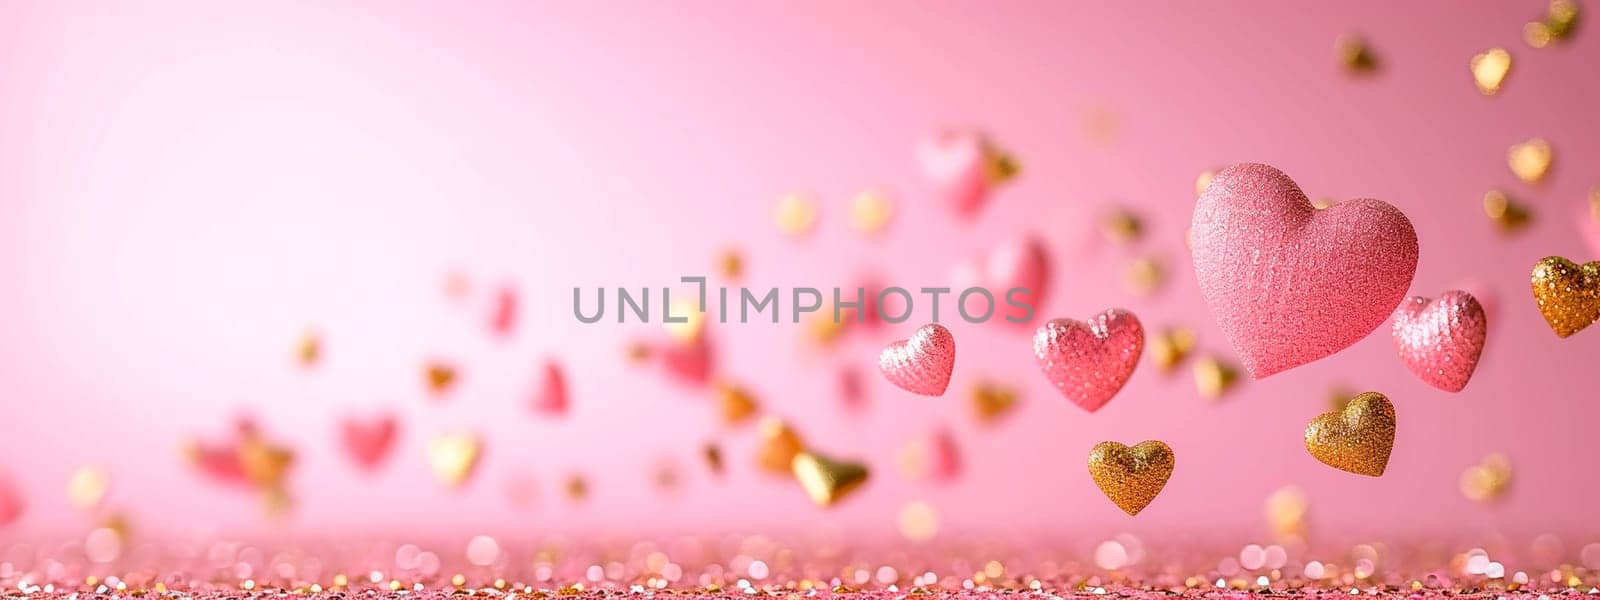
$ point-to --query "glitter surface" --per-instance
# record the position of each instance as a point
(1290, 284)
(1358, 438)
(1090, 362)
(922, 364)
(1440, 340)
(1131, 477)
(1568, 293)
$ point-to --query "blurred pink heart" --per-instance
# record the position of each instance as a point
(1288, 283)
(11, 502)
(1440, 340)
(935, 457)
(551, 397)
(1018, 263)
(688, 361)
(1090, 362)
(368, 441)
(960, 164)
(923, 363)
(503, 319)
(1589, 220)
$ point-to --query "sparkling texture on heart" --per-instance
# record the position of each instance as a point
(1289, 283)
(1131, 477)
(1440, 340)
(1568, 293)
(922, 364)
(1090, 362)
(1358, 438)
(826, 480)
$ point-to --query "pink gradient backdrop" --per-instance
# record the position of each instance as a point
(185, 187)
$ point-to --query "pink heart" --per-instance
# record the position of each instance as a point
(1589, 221)
(923, 363)
(368, 441)
(957, 162)
(1090, 362)
(1440, 340)
(1288, 283)
(551, 397)
(1019, 263)
(11, 502)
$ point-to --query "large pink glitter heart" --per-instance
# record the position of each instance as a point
(1020, 263)
(1440, 340)
(922, 364)
(1288, 283)
(1090, 362)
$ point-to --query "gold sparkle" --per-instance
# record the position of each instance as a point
(826, 480)
(309, 350)
(991, 400)
(1213, 377)
(1489, 69)
(1144, 276)
(1568, 294)
(453, 457)
(1557, 25)
(736, 404)
(918, 521)
(576, 487)
(1357, 439)
(1323, 203)
(1530, 160)
(1486, 481)
(871, 211)
(712, 453)
(1355, 55)
(1121, 226)
(796, 214)
(87, 487)
(731, 264)
(1170, 347)
(778, 446)
(1131, 477)
(1508, 215)
(1286, 510)
(439, 376)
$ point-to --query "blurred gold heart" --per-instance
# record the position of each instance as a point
(1568, 293)
(1357, 439)
(1506, 213)
(453, 457)
(1530, 160)
(1170, 347)
(1131, 477)
(1213, 377)
(991, 400)
(778, 446)
(826, 480)
(736, 403)
(1489, 69)
(440, 377)
(1487, 480)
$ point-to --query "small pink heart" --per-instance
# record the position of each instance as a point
(503, 318)
(1288, 283)
(923, 363)
(1090, 362)
(1440, 340)
(690, 361)
(1589, 220)
(1021, 263)
(958, 164)
(11, 502)
(368, 441)
(551, 397)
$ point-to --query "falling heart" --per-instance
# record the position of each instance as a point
(965, 166)
(551, 396)
(1358, 438)
(923, 363)
(1289, 283)
(1022, 263)
(1090, 362)
(368, 441)
(1131, 477)
(1568, 293)
(1440, 340)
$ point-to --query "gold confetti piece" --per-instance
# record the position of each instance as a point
(1355, 55)
(991, 401)
(1489, 69)
(265, 464)
(871, 212)
(1357, 439)
(712, 453)
(1530, 160)
(1339, 395)
(1557, 25)
(1131, 477)
(1170, 347)
(778, 446)
(1486, 481)
(1509, 215)
(1121, 226)
(1323, 203)
(1144, 276)
(736, 403)
(576, 488)
(731, 264)
(637, 352)
(440, 377)
(823, 330)
(1213, 377)
(796, 214)
(918, 521)
(1568, 294)
(826, 480)
(1286, 511)
(1203, 181)
(694, 324)
(453, 457)
(309, 350)
(87, 487)
(1000, 166)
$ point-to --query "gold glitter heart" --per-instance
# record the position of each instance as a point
(453, 458)
(1170, 347)
(827, 480)
(1131, 477)
(1487, 480)
(1489, 69)
(1508, 214)
(1530, 160)
(1357, 439)
(1568, 293)
(778, 446)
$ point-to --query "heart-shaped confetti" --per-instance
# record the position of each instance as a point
(778, 446)
(440, 377)
(826, 480)
(1131, 477)
(368, 441)
(503, 317)
(1488, 480)
(1090, 361)
(1530, 160)
(992, 400)
(1214, 376)
(688, 361)
(736, 404)
(1288, 283)
(965, 167)
(1440, 340)
(1022, 263)
(550, 397)
(1568, 293)
(454, 457)
(1489, 69)
(921, 364)
(1170, 347)
(1358, 438)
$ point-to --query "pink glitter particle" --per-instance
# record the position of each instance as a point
(1440, 340)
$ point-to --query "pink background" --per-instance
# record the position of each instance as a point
(186, 187)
